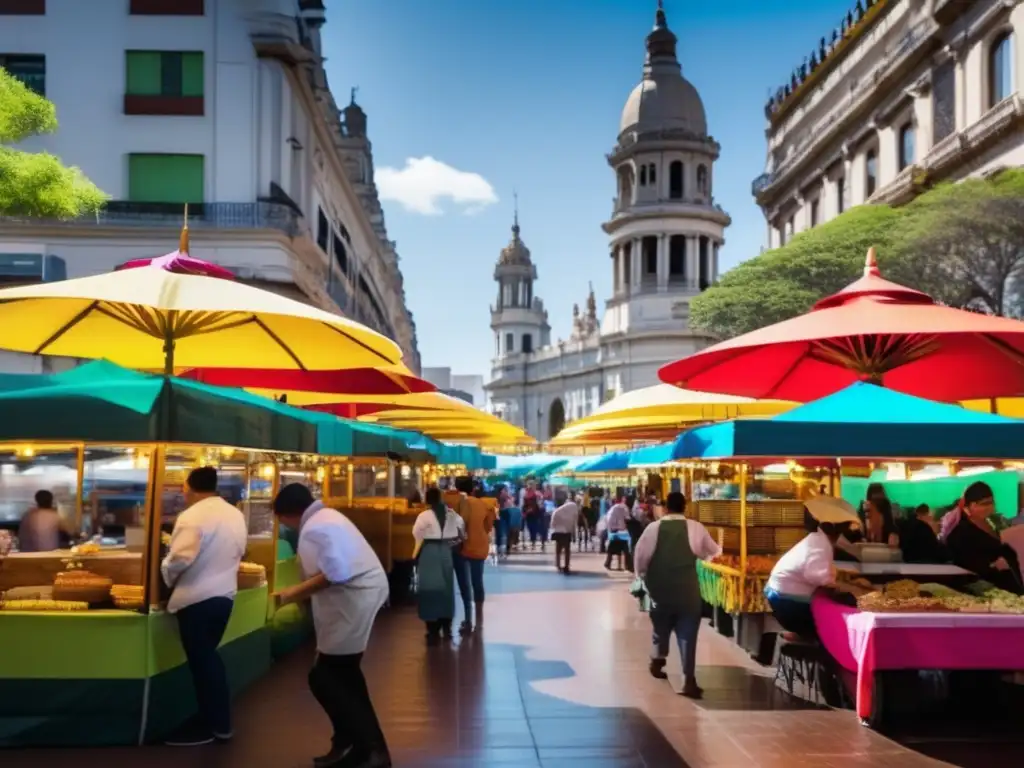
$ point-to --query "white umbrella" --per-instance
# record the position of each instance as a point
(827, 509)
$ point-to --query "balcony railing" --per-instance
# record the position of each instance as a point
(121, 213)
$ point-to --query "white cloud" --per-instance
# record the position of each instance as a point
(424, 183)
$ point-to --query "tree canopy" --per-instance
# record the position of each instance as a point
(36, 184)
(962, 243)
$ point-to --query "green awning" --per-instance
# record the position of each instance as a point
(103, 402)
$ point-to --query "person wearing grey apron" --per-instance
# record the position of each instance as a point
(666, 559)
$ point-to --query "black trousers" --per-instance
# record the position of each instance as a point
(201, 626)
(618, 547)
(563, 545)
(338, 684)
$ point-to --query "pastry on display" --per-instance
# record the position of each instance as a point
(251, 575)
(129, 597)
(43, 605)
(81, 585)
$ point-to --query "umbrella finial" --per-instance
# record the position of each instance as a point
(183, 242)
(871, 264)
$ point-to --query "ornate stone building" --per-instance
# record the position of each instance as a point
(242, 126)
(665, 231)
(902, 93)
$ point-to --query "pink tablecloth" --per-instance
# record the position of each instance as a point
(866, 643)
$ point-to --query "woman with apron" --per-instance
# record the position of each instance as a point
(666, 559)
(437, 530)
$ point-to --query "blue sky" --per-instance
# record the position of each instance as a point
(526, 95)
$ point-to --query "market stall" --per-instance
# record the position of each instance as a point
(101, 661)
(859, 424)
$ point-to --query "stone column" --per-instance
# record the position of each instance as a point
(616, 285)
(692, 261)
(637, 264)
(663, 262)
(714, 262)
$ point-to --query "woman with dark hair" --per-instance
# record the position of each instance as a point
(799, 573)
(437, 530)
(975, 546)
(879, 526)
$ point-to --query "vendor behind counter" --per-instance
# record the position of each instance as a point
(974, 545)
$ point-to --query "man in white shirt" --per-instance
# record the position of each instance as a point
(201, 566)
(348, 587)
(618, 535)
(564, 522)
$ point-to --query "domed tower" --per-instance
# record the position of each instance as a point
(665, 228)
(518, 319)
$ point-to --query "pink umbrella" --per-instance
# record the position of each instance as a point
(180, 262)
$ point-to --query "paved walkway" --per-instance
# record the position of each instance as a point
(557, 679)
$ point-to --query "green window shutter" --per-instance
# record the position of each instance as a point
(166, 178)
(192, 74)
(143, 73)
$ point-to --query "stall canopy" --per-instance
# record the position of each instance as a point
(538, 465)
(861, 421)
(102, 402)
(616, 461)
(651, 455)
(657, 413)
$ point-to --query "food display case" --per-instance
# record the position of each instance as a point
(86, 637)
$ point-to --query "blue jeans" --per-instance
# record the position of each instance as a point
(686, 627)
(201, 626)
(794, 615)
(469, 575)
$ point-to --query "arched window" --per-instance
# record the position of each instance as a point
(675, 180)
(1000, 68)
(702, 180)
(625, 187)
(652, 175)
(870, 172)
(556, 417)
(906, 148)
(527, 343)
(643, 175)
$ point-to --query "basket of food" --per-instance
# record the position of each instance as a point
(81, 586)
(128, 597)
(251, 575)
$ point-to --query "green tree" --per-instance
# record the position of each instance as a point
(786, 281)
(36, 184)
(964, 243)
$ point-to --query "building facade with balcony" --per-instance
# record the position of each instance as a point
(665, 232)
(223, 105)
(902, 94)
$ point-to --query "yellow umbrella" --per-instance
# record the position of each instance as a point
(658, 413)
(150, 318)
(436, 414)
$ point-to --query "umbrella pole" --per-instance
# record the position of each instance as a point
(169, 344)
(743, 526)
